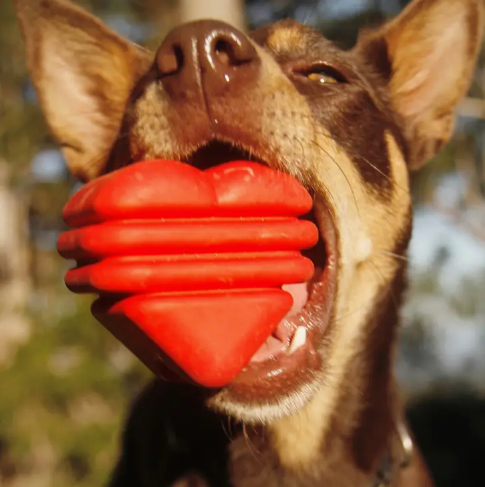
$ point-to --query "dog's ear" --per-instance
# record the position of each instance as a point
(428, 53)
(83, 74)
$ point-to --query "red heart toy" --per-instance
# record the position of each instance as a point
(189, 264)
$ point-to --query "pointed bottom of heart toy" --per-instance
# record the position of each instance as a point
(206, 336)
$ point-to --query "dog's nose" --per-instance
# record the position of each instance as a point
(208, 55)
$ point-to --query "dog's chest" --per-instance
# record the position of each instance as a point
(254, 463)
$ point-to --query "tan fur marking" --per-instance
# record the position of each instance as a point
(286, 39)
(151, 135)
(297, 438)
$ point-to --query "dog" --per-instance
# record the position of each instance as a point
(350, 126)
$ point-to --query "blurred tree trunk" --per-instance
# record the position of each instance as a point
(231, 11)
(14, 268)
(20, 129)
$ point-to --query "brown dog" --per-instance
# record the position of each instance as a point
(349, 125)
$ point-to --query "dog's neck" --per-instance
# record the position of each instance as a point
(352, 444)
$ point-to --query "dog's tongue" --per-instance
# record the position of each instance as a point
(190, 265)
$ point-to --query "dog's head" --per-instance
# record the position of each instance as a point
(350, 125)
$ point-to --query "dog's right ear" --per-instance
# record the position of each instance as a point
(83, 74)
(428, 55)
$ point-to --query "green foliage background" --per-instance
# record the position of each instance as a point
(64, 391)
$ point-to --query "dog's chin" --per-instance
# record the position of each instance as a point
(287, 370)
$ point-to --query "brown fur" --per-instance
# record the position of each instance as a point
(352, 142)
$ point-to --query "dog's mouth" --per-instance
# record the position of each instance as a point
(289, 355)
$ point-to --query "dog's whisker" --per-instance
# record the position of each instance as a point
(393, 255)
(251, 448)
(395, 184)
(329, 156)
(226, 430)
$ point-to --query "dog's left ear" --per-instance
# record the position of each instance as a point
(428, 53)
(83, 73)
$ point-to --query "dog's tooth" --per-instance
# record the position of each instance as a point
(298, 340)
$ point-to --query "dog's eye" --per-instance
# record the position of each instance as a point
(323, 75)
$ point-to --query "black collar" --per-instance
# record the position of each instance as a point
(396, 458)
